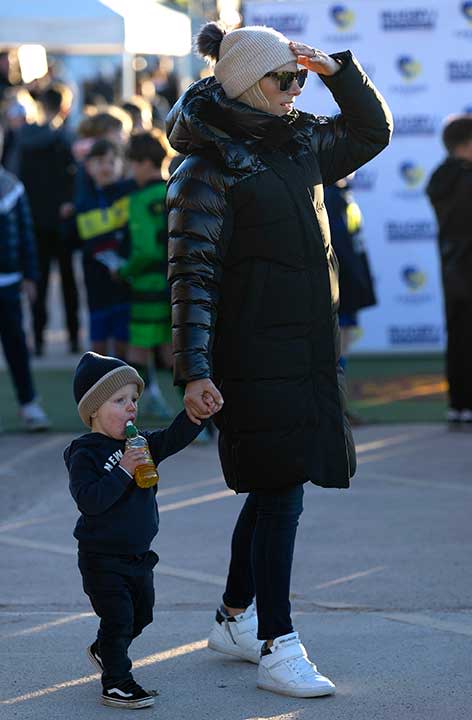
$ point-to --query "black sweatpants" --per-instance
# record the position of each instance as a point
(121, 590)
(52, 246)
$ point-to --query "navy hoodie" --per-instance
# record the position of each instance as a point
(118, 517)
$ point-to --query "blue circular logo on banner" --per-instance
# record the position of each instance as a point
(342, 16)
(408, 67)
(466, 8)
(411, 173)
(413, 277)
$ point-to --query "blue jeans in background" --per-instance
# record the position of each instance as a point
(14, 342)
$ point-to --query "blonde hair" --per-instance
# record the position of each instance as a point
(254, 97)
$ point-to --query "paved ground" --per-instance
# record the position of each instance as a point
(381, 588)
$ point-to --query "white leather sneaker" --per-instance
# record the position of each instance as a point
(285, 669)
(236, 635)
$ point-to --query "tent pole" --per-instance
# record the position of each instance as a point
(128, 83)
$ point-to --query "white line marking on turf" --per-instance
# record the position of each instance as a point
(68, 550)
(451, 626)
(149, 660)
(163, 569)
(37, 545)
(5, 527)
(348, 578)
(415, 482)
(30, 452)
(219, 480)
(196, 500)
(32, 521)
(218, 580)
(387, 441)
(48, 625)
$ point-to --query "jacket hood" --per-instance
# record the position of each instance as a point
(205, 117)
(89, 441)
(444, 178)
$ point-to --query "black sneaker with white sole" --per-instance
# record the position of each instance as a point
(127, 695)
(94, 657)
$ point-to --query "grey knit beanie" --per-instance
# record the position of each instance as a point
(97, 378)
(244, 55)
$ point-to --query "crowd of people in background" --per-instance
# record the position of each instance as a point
(95, 187)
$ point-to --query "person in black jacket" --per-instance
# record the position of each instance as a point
(118, 520)
(18, 274)
(254, 300)
(450, 191)
(46, 168)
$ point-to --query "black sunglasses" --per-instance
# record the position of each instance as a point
(286, 78)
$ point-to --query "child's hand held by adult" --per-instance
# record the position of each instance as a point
(202, 399)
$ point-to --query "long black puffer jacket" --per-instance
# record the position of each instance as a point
(254, 277)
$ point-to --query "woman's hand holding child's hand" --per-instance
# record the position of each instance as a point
(131, 459)
(202, 399)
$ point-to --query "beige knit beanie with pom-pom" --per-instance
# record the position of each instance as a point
(243, 56)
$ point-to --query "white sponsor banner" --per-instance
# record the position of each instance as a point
(419, 54)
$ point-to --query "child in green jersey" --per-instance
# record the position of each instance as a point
(146, 266)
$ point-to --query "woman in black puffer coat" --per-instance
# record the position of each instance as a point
(255, 297)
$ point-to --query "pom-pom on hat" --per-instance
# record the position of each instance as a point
(243, 56)
(97, 378)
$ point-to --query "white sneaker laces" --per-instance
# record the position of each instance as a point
(302, 666)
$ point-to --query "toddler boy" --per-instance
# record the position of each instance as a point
(118, 520)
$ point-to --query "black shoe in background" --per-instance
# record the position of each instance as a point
(74, 346)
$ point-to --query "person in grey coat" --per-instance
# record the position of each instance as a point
(254, 301)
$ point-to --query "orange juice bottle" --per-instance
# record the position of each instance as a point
(145, 474)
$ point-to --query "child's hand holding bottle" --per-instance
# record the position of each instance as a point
(132, 457)
(144, 473)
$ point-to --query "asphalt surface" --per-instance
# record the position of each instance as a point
(381, 588)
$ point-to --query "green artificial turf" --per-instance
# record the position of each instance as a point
(54, 388)
(397, 388)
(382, 388)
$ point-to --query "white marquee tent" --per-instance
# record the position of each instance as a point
(96, 26)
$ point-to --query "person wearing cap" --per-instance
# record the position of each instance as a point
(118, 520)
(254, 300)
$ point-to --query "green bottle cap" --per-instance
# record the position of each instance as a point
(131, 430)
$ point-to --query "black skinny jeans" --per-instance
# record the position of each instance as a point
(261, 558)
(121, 591)
(51, 245)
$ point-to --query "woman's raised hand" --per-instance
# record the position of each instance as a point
(315, 60)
